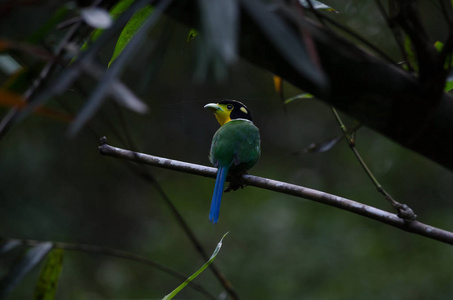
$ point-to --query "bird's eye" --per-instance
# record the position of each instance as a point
(230, 107)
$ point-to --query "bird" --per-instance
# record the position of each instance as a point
(235, 147)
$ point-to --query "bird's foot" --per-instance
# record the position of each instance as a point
(235, 182)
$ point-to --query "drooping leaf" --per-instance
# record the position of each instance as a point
(220, 27)
(46, 287)
(299, 97)
(277, 32)
(129, 31)
(8, 245)
(116, 10)
(317, 5)
(194, 275)
(22, 267)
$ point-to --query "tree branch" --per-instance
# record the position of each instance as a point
(382, 216)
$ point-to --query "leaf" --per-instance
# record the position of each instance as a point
(96, 17)
(129, 31)
(298, 97)
(194, 275)
(46, 287)
(116, 10)
(21, 268)
(9, 245)
(278, 33)
(317, 5)
(323, 146)
(192, 34)
(410, 53)
(220, 27)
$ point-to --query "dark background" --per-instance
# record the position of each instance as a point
(57, 188)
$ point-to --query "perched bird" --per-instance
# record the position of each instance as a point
(235, 147)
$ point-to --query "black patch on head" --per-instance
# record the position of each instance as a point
(237, 113)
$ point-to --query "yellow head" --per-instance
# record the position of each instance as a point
(227, 110)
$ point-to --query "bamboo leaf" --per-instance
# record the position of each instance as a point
(8, 246)
(21, 268)
(317, 5)
(96, 17)
(46, 287)
(299, 97)
(280, 36)
(131, 28)
(194, 275)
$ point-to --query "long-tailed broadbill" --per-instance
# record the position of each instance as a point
(235, 147)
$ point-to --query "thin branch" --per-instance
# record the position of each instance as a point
(404, 211)
(382, 216)
(117, 253)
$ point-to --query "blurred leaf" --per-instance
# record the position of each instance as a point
(46, 287)
(116, 10)
(42, 32)
(280, 36)
(298, 97)
(410, 53)
(192, 34)
(8, 246)
(96, 17)
(9, 99)
(8, 64)
(317, 5)
(278, 84)
(448, 86)
(129, 31)
(439, 46)
(323, 146)
(194, 275)
(220, 29)
(21, 268)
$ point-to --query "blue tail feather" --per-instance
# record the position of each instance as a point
(217, 196)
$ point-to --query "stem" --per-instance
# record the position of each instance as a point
(403, 210)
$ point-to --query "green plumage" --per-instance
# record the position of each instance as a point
(236, 145)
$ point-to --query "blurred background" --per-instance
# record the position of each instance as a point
(56, 188)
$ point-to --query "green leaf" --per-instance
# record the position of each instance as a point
(192, 34)
(131, 28)
(298, 97)
(21, 268)
(116, 10)
(46, 287)
(410, 53)
(188, 280)
(317, 5)
(448, 85)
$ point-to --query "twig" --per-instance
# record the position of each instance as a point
(382, 216)
(404, 211)
(116, 253)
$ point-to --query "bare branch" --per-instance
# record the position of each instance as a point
(382, 216)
